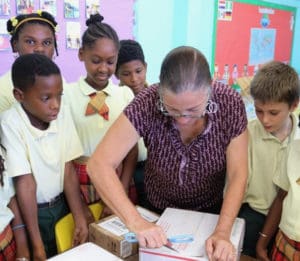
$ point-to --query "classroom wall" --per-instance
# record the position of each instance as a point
(158, 25)
(119, 14)
(163, 26)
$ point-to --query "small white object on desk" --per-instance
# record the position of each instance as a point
(87, 251)
(200, 225)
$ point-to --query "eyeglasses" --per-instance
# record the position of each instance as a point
(211, 107)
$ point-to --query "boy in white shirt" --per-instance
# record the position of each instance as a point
(41, 142)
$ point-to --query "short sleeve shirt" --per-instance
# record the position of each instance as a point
(6, 193)
(289, 180)
(92, 128)
(267, 155)
(43, 153)
(186, 176)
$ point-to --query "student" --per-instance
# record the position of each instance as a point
(30, 33)
(284, 211)
(275, 91)
(13, 239)
(195, 132)
(41, 142)
(95, 101)
(131, 67)
(131, 71)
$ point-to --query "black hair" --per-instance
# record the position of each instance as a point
(14, 25)
(26, 67)
(96, 29)
(2, 169)
(130, 50)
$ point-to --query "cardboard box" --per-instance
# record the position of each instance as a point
(86, 251)
(200, 225)
(109, 234)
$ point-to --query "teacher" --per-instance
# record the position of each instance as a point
(195, 132)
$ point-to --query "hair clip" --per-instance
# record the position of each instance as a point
(14, 21)
(56, 28)
(39, 12)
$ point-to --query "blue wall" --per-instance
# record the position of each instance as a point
(163, 25)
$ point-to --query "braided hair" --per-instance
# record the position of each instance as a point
(97, 29)
(15, 24)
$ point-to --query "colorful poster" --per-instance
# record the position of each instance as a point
(4, 7)
(71, 8)
(225, 10)
(92, 7)
(4, 42)
(256, 34)
(262, 45)
(24, 6)
(48, 6)
(72, 35)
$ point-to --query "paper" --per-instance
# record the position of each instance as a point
(87, 251)
(200, 225)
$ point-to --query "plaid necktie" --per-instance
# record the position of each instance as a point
(97, 105)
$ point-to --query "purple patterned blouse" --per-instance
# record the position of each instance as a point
(186, 176)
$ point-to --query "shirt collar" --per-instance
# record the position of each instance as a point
(36, 133)
(88, 90)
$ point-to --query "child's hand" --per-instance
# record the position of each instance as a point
(39, 254)
(106, 212)
(261, 253)
(22, 251)
(80, 233)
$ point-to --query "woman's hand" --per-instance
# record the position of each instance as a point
(219, 248)
(148, 234)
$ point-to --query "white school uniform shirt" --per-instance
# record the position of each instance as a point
(40, 152)
(92, 128)
(289, 180)
(6, 193)
(6, 92)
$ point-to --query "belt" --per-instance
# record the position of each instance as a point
(52, 202)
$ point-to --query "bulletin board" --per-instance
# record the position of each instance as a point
(71, 16)
(248, 34)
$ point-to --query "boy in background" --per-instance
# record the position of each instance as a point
(284, 211)
(131, 70)
(275, 91)
(41, 142)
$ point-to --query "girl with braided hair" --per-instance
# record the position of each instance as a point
(30, 33)
(96, 102)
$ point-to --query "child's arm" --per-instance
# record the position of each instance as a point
(26, 195)
(270, 226)
(19, 230)
(129, 164)
(73, 196)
